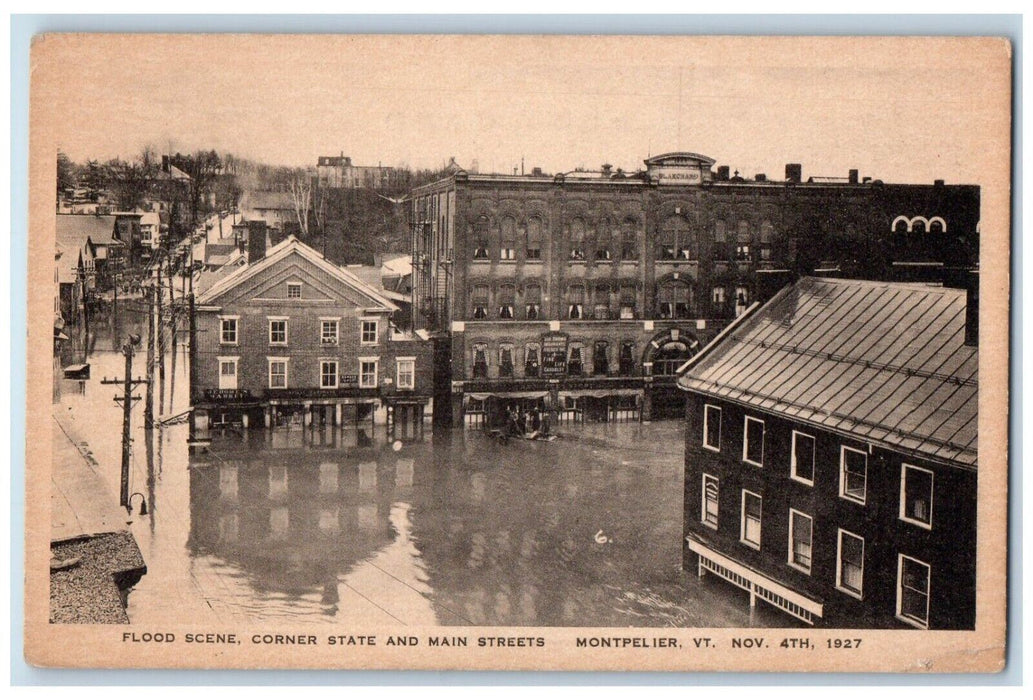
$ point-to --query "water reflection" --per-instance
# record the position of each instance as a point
(336, 525)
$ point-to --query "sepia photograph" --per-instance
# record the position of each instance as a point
(553, 352)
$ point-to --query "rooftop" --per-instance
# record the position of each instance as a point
(882, 362)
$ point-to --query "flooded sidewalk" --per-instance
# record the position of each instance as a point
(95, 559)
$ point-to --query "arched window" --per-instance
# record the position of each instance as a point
(626, 363)
(742, 241)
(507, 238)
(603, 240)
(767, 232)
(505, 360)
(534, 238)
(629, 240)
(480, 360)
(577, 239)
(532, 302)
(600, 360)
(937, 225)
(601, 302)
(481, 231)
(670, 356)
(507, 298)
(575, 360)
(676, 240)
(918, 225)
(628, 301)
(479, 301)
(532, 354)
(674, 299)
(576, 301)
(901, 224)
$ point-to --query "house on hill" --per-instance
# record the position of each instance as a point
(291, 337)
(831, 454)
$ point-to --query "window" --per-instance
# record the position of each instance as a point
(294, 290)
(627, 359)
(228, 372)
(507, 250)
(532, 302)
(602, 241)
(370, 331)
(913, 591)
(505, 360)
(627, 293)
(801, 534)
(480, 301)
(600, 361)
(575, 363)
(576, 301)
(328, 374)
(480, 238)
(480, 360)
(742, 300)
(405, 373)
(368, 372)
(328, 331)
(749, 531)
(277, 331)
(531, 361)
(674, 299)
(277, 372)
(916, 496)
(742, 252)
(601, 302)
(719, 231)
(753, 441)
(534, 238)
(717, 296)
(850, 564)
(767, 232)
(675, 240)
(507, 295)
(801, 461)
(853, 474)
(228, 330)
(708, 512)
(712, 427)
(629, 240)
(577, 239)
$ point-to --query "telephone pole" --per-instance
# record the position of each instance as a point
(126, 402)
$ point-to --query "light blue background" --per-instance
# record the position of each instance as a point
(23, 27)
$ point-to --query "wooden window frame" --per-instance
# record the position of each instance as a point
(706, 425)
(742, 520)
(792, 458)
(746, 440)
(859, 594)
(904, 467)
(792, 529)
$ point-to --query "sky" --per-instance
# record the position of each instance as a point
(902, 111)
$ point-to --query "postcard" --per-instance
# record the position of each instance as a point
(518, 352)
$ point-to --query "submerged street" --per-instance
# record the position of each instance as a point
(342, 526)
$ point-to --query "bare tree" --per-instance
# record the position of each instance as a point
(300, 188)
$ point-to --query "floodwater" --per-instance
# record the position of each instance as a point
(343, 526)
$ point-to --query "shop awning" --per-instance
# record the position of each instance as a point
(480, 396)
(599, 393)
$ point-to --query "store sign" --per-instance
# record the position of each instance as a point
(554, 354)
(678, 175)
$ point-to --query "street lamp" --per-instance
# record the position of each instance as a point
(143, 504)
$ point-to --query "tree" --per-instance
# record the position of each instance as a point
(300, 188)
(130, 182)
(66, 175)
(94, 179)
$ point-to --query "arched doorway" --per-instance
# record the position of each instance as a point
(663, 356)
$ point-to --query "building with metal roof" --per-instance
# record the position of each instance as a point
(831, 454)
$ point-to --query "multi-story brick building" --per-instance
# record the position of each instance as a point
(831, 454)
(339, 172)
(586, 290)
(291, 336)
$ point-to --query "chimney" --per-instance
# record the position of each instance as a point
(794, 172)
(853, 176)
(536, 172)
(760, 177)
(722, 173)
(607, 169)
(937, 183)
(255, 241)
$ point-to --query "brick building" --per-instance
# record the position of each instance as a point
(339, 172)
(831, 454)
(291, 337)
(585, 291)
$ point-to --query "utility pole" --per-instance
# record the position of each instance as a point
(160, 329)
(126, 402)
(148, 416)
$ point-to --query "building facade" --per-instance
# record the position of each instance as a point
(619, 278)
(290, 337)
(339, 172)
(831, 455)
